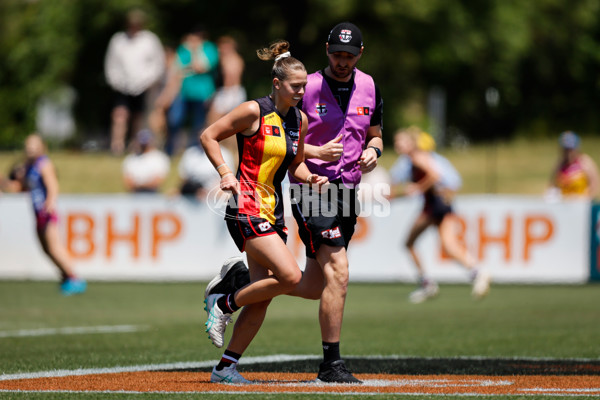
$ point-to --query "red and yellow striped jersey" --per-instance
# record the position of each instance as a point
(264, 159)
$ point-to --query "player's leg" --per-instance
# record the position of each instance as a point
(427, 287)
(480, 277)
(50, 240)
(271, 253)
(245, 329)
(451, 244)
(422, 222)
(312, 283)
(334, 262)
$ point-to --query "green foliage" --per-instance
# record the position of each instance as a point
(542, 56)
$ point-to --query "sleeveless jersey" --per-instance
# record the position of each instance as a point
(571, 178)
(326, 120)
(35, 184)
(264, 159)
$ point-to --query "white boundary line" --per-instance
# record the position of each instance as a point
(248, 361)
(73, 330)
(152, 367)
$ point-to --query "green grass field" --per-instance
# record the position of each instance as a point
(516, 167)
(513, 321)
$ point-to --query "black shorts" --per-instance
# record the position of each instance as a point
(328, 218)
(436, 207)
(135, 104)
(243, 227)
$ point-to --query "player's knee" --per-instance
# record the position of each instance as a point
(291, 279)
(338, 275)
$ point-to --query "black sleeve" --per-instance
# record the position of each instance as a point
(377, 116)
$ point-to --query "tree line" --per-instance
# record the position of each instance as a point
(538, 58)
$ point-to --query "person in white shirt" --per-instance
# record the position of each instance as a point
(145, 170)
(134, 61)
(198, 175)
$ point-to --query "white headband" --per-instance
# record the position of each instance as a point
(282, 55)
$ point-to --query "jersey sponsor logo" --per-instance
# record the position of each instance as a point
(346, 35)
(363, 110)
(321, 109)
(264, 226)
(271, 130)
(332, 233)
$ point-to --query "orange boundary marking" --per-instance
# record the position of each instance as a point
(269, 382)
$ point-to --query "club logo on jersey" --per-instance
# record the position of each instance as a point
(332, 233)
(346, 35)
(363, 110)
(295, 147)
(294, 134)
(321, 109)
(264, 226)
(271, 130)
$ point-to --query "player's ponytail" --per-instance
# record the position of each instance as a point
(279, 51)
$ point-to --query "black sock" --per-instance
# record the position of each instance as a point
(331, 352)
(228, 358)
(227, 304)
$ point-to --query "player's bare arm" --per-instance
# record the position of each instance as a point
(330, 151)
(244, 119)
(298, 168)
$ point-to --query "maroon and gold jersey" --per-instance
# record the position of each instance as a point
(571, 178)
(264, 159)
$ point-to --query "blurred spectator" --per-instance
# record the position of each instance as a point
(437, 182)
(576, 173)
(38, 176)
(145, 170)
(190, 86)
(134, 62)
(230, 92)
(198, 176)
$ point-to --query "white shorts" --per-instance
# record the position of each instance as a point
(228, 98)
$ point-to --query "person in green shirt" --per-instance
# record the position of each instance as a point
(190, 86)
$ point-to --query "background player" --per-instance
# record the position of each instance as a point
(435, 178)
(42, 184)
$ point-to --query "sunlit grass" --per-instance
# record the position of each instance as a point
(517, 167)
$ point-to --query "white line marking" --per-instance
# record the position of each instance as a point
(153, 367)
(568, 390)
(74, 330)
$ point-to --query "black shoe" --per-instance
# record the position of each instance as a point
(233, 276)
(335, 372)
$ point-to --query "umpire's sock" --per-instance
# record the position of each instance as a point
(331, 352)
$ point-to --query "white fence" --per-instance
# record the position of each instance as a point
(126, 237)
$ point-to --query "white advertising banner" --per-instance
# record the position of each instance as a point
(151, 237)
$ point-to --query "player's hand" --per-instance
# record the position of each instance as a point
(368, 160)
(319, 183)
(332, 150)
(230, 184)
(49, 206)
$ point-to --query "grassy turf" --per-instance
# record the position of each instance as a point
(514, 321)
(520, 166)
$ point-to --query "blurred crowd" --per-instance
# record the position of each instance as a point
(164, 97)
